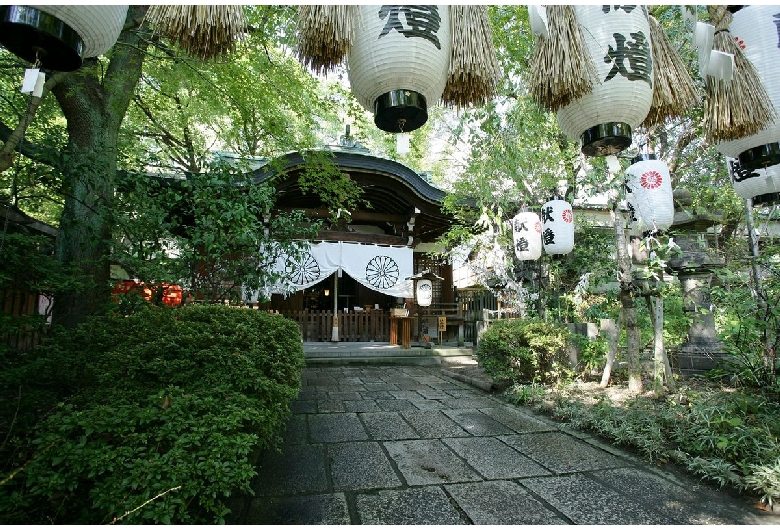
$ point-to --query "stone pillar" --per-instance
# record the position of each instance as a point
(702, 351)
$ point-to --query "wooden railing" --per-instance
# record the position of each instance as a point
(371, 325)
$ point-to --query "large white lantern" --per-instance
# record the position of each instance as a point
(755, 183)
(618, 40)
(557, 227)
(650, 194)
(527, 236)
(60, 36)
(398, 62)
(424, 292)
(756, 29)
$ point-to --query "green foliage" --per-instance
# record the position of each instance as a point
(728, 437)
(524, 351)
(164, 404)
(206, 233)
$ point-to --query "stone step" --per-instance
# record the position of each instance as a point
(379, 353)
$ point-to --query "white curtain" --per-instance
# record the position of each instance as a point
(382, 269)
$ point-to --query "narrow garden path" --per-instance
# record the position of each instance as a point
(410, 445)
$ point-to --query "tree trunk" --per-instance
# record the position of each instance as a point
(94, 107)
(627, 302)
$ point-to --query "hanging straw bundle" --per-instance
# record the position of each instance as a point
(561, 69)
(474, 72)
(202, 31)
(740, 107)
(674, 91)
(325, 35)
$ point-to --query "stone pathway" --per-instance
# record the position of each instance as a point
(411, 445)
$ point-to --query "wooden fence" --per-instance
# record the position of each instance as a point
(371, 325)
(17, 307)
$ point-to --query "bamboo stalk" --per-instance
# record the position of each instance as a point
(562, 69)
(742, 106)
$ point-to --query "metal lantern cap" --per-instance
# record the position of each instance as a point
(425, 275)
(760, 157)
(606, 139)
(32, 34)
(400, 111)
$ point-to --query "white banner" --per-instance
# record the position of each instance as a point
(382, 269)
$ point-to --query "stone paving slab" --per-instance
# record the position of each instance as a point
(517, 420)
(560, 453)
(409, 445)
(425, 462)
(360, 466)
(476, 423)
(684, 499)
(493, 459)
(501, 502)
(387, 426)
(433, 424)
(429, 506)
(330, 509)
(585, 501)
(300, 469)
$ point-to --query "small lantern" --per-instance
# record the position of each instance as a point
(618, 40)
(755, 184)
(650, 193)
(558, 227)
(398, 62)
(755, 29)
(60, 36)
(424, 292)
(527, 236)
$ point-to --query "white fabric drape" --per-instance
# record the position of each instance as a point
(382, 269)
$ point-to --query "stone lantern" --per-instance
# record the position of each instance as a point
(694, 268)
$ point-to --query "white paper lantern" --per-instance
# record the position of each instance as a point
(753, 183)
(650, 194)
(424, 292)
(755, 29)
(60, 36)
(527, 236)
(618, 40)
(557, 227)
(398, 62)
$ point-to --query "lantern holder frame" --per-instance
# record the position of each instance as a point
(396, 107)
(32, 34)
(760, 157)
(606, 139)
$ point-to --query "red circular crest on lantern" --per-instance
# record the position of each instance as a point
(538, 227)
(650, 179)
(567, 216)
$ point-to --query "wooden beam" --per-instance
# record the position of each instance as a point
(354, 237)
(373, 217)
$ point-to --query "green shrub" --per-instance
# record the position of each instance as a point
(164, 404)
(523, 351)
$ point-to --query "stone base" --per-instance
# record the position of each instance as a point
(698, 359)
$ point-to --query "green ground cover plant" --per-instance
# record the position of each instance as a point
(724, 434)
(148, 418)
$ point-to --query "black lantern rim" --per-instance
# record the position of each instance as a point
(766, 199)
(400, 111)
(606, 139)
(642, 157)
(33, 34)
(760, 157)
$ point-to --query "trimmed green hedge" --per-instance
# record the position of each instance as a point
(165, 405)
(523, 351)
